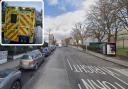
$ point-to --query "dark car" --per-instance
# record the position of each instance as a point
(10, 79)
(46, 51)
(52, 48)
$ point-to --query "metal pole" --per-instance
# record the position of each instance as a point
(123, 43)
(86, 47)
(49, 35)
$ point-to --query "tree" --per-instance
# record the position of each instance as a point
(122, 12)
(75, 36)
(79, 32)
(103, 20)
(54, 42)
(95, 24)
(107, 13)
(67, 40)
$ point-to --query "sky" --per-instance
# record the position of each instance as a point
(61, 15)
(37, 5)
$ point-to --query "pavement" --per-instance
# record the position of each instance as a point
(111, 59)
(70, 68)
(11, 64)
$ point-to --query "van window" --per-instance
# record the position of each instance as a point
(13, 18)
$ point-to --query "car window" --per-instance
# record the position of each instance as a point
(25, 57)
(38, 55)
(5, 73)
(32, 56)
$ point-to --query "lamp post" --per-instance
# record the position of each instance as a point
(87, 45)
(49, 35)
(123, 43)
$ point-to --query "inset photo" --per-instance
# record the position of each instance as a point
(22, 22)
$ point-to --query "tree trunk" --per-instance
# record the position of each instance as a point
(116, 35)
(109, 36)
(82, 42)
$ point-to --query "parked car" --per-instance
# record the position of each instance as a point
(10, 79)
(52, 48)
(31, 60)
(46, 51)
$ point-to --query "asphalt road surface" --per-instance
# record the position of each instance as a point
(69, 68)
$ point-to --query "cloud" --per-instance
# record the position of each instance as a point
(53, 2)
(62, 25)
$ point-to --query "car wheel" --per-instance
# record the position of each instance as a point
(36, 67)
(16, 85)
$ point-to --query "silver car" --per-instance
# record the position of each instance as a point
(10, 79)
(31, 60)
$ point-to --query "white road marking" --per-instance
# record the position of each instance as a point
(119, 85)
(79, 86)
(94, 84)
(79, 68)
(120, 80)
(87, 85)
(69, 64)
(122, 71)
(75, 69)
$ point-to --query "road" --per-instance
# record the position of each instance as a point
(69, 68)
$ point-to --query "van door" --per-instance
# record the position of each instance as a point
(11, 24)
(24, 28)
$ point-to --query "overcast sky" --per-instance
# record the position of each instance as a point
(61, 15)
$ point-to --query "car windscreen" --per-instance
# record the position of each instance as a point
(3, 75)
(25, 57)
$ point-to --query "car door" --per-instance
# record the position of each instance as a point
(40, 57)
(34, 58)
(37, 57)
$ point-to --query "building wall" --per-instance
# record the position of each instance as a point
(122, 35)
(120, 43)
